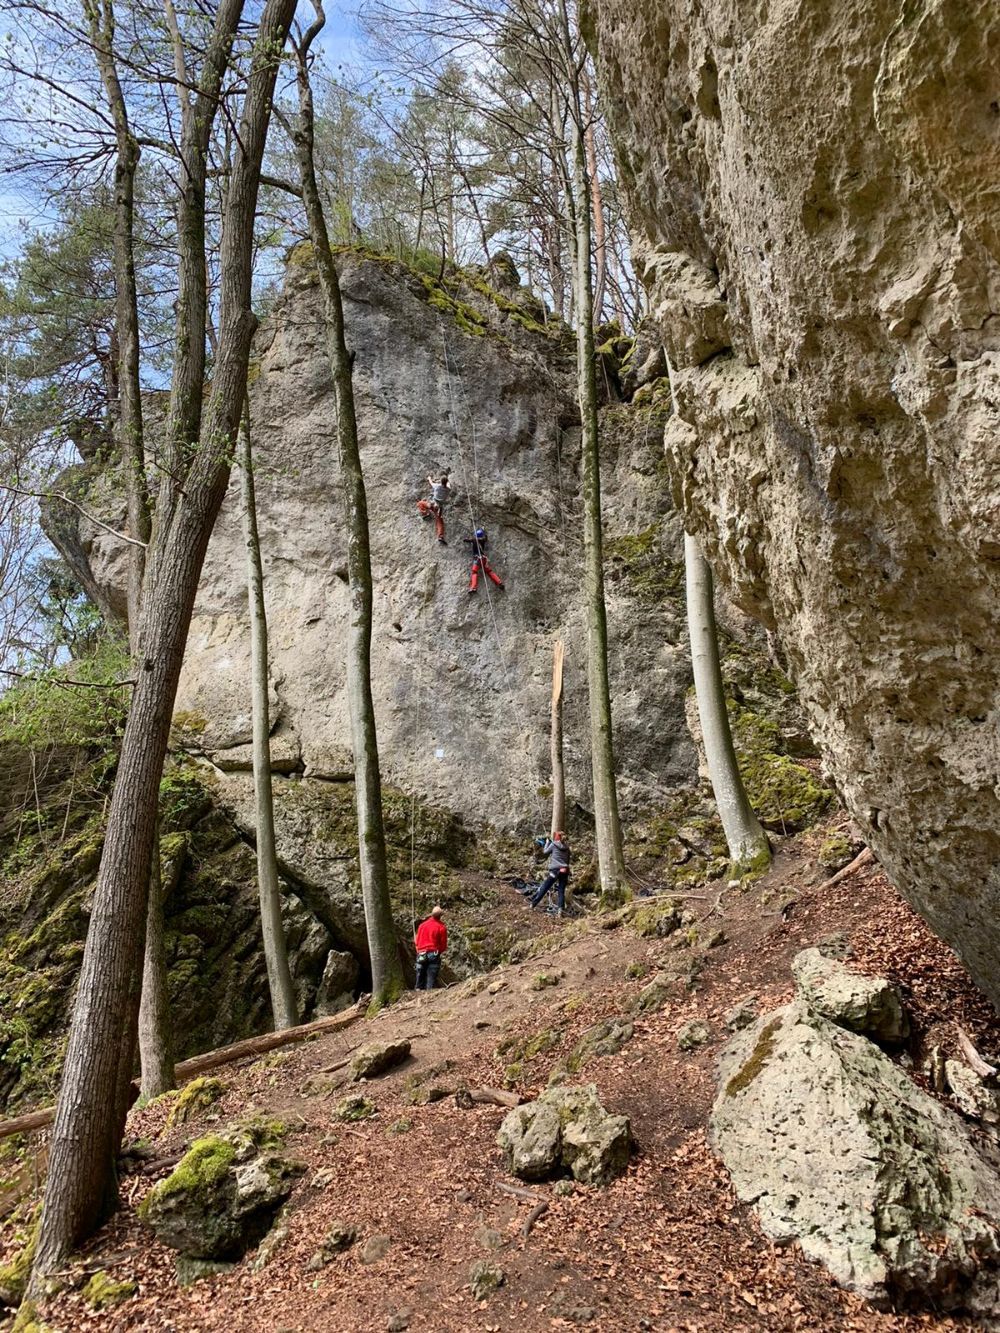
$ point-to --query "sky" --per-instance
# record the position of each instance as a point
(24, 209)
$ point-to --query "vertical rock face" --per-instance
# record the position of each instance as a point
(816, 193)
(462, 683)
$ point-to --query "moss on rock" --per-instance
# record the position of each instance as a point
(195, 1097)
(103, 1292)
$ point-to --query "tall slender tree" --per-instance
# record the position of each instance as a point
(81, 1189)
(387, 972)
(279, 975)
(747, 841)
(610, 855)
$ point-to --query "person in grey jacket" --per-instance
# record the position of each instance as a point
(441, 493)
(557, 850)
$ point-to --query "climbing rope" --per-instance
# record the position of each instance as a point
(413, 800)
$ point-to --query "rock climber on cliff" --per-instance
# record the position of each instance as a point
(430, 942)
(480, 564)
(441, 493)
(557, 850)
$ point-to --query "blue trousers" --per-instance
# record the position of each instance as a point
(428, 966)
(558, 878)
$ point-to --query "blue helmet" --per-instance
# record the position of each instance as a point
(480, 534)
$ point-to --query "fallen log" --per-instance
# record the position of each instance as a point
(466, 1097)
(200, 1064)
(975, 1061)
(539, 1210)
(862, 858)
(519, 1192)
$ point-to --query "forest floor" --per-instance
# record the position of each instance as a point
(666, 1247)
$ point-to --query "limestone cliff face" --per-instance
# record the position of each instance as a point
(816, 193)
(462, 684)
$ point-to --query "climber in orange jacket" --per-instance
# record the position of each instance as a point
(441, 493)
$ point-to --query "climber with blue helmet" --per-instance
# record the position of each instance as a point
(480, 564)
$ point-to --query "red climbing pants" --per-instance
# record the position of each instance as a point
(481, 562)
(431, 509)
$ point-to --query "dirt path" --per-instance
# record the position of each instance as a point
(666, 1247)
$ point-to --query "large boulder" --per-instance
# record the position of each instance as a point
(870, 1005)
(223, 1195)
(837, 1148)
(814, 192)
(566, 1129)
(378, 1057)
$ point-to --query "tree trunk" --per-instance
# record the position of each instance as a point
(279, 976)
(748, 845)
(387, 972)
(81, 1189)
(155, 1044)
(610, 857)
(556, 742)
(156, 1038)
(597, 203)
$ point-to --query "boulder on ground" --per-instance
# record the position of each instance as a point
(566, 1129)
(974, 1096)
(530, 1138)
(693, 1034)
(377, 1058)
(870, 1005)
(222, 1196)
(485, 1278)
(837, 1148)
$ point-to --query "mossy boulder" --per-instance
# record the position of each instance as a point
(485, 1278)
(566, 1130)
(378, 1057)
(223, 1195)
(660, 918)
(354, 1108)
(604, 1038)
(195, 1097)
(835, 852)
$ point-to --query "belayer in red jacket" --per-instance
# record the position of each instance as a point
(430, 942)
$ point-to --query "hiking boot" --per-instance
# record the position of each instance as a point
(442, 542)
(471, 592)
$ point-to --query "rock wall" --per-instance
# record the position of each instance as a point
(814, 191)
(462, 684)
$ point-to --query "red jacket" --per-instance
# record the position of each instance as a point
(431, 936)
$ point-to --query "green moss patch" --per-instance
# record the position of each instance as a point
(103, 1292)
(759, 1056)
(638, 563)
(196, 1097)
(198, 1173)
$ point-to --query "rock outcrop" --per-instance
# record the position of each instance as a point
(472, 382)
(838, 1148)
(815, 193)
(869, 1005)
(223, 1195)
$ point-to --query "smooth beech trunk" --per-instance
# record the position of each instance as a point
(82, 1188)
(556, 741)
(279, 975)
(747, 841)
(156, 1033)
(610, 857)
(387, 971)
